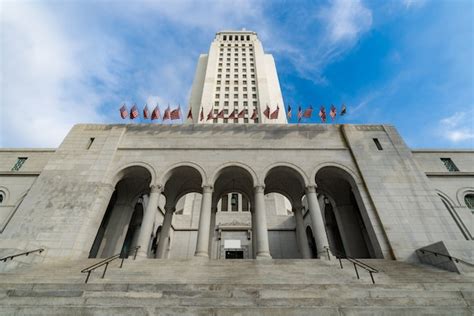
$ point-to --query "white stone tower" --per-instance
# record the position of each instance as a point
(236, 75)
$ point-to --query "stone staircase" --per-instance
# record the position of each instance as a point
(240, 287)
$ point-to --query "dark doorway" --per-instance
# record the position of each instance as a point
(311, 242)
(234, 254)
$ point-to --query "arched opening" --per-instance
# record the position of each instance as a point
(122, 220)
(183, 190)
(347, 224)
(231, 222)
(284, 189)
(456, 218)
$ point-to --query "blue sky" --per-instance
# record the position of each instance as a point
(408, 63)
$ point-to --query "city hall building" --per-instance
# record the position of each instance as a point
(247, 187)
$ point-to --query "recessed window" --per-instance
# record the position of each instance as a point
(2, 197)
(449, 164)
(236, 103)
(91, 140)
(214, 120)
(216, 111)
(217, 96)
(216, 103)
(19, 162)
(469, 200)
(226, 103)
(226, 120)
(377, 143)
(246, 120)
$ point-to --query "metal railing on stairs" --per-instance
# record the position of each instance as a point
(451, 258)
(26, 253)
(339, 255)
(106, 262)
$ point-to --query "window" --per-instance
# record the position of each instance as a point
(216, 111)
(216, 103)
(449, 164)
(214, 120)
(218, 88)
(91, 140)
(226, 88)
(236, 104)
(469, 200)
(226, 103)
(244, 76)
(2, 197)
(245, 96)
(245, 103)
(236, 120)
(236, 82)
(246, 120)
(377, 143)
(254, 96)
(236, 88)
(237, 70)
(227, 76)
(226, 120)
(219, 76)
(225, 38)
(254, 89)
(227, 64)
(226, 111)
(227, 69)
(19, 162)
(252, 76)
(248, 37)
(236, 76)
(236, 96)
(227, 82)
(253, 81)
(217, 95)
(245, 88)
(244, 82)
(226, 96)
(220, 64)
(224, 203)
(218, 82)
(220, 59)
(219, 70)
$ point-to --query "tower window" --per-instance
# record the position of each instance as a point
(225, 38)
(377, 143)
(469, 200)
(19, 162)
(234, 202)
(230, 38)
(248, 37)
(449, 164)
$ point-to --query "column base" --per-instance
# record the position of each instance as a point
(264, 256)
(201, 254)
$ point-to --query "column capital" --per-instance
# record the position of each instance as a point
(259, 188)
(155, 188)
(311, 188)
(207, 189)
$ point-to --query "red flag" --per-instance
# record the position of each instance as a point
(254, 115)
(274, 114)
(123, 112)
(322, 114)
(156, 113)
(166, 116)
(202, 114)
(210, 116)
(176, 113)
(300, 113)
(308, 112)
(288, 112)
(333, 112)
(233, 114)
(343, 110)
(220, 114)
(134, 112)
(241, 114)
(267, 112)
(146, 113)
(190, 114)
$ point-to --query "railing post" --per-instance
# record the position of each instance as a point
(121, 263)
(136, 251)
(357, 272)
(329, 257)
(88, 275)
(372, 277)
(340, 262)
(105, 270)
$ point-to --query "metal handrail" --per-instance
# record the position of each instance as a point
(447, 256)
(106, 262)
(26, 253)
(339, 255)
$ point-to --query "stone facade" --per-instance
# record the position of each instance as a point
(344, 192)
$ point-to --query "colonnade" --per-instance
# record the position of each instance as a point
(207, 217)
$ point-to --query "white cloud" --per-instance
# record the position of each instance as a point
(346, 20)
(458, 127)
(411, 4)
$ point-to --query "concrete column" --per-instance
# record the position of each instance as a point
(165, 232)
(254, 234)
(263, 249)
(301, 233)
(319, 230)
(146, 230)
(202, 245)
(212, 230)
(239, 202)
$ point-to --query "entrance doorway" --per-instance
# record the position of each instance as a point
(234, 254)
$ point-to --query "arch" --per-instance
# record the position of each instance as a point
(445, 197)
(114, 178)
(339, 184)
(169, 171)
(6, 195)
(450, 207)
(286, 180)
(221, 168)
(461, 193)
(181, 179)
(353, 175)
(290, 166)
